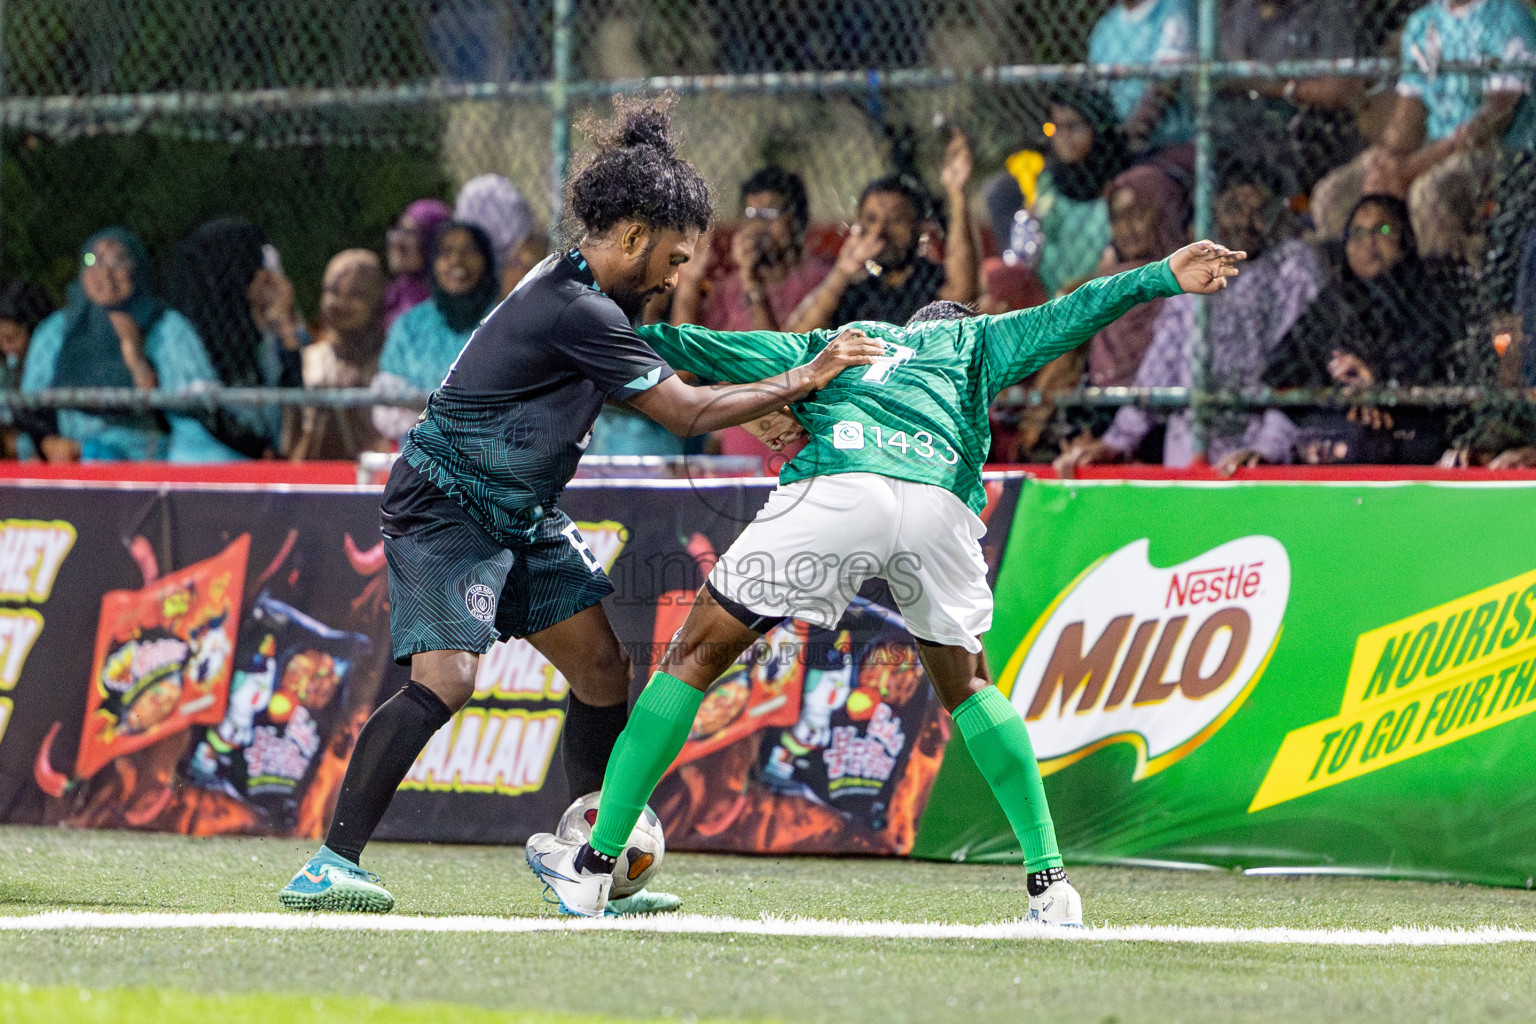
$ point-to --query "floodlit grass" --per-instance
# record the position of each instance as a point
(275, 975)
(23, 1004)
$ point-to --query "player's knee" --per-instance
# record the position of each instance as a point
(604, 680)
(449, 674)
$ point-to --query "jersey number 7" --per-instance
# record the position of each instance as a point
(881, 369)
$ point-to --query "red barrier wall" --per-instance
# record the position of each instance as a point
(344, 474)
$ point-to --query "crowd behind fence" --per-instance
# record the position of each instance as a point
(285, 169)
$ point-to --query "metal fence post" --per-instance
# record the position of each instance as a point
(560, 106)
(1205, 201)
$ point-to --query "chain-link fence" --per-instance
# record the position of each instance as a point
(320, 120)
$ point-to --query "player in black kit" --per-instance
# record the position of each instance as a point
(477, 549)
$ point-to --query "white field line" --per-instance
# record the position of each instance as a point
(697, 924)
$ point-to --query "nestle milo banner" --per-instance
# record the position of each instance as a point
(1335, 677)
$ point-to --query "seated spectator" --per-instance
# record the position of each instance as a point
(1248, 319)
(1017, 425)
(226, 279)
(1388, 321)
(769, 276)
(1147, 32)
(1066, 196)
(408, 250)
(494, 205)
(423, 344)
(345, 356)
(23, 305)
(1305, 125)
(771, 273)
(880, 273)
(1443, 140)
(114, 332)
(1147, 211)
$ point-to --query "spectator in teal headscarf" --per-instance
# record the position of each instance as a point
(424, 342)
(114, 332)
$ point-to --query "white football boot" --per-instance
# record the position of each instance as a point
(644, 902)
(553, 861)
(1059, 905)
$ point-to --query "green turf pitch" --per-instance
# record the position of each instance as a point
(276, 975)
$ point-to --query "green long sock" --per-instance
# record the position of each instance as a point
(657, 730)
(999, 744)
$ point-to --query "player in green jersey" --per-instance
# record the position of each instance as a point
(891, 478)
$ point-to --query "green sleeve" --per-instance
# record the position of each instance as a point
(737, 357)
(1016, 344)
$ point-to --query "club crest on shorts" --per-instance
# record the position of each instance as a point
(481, 602)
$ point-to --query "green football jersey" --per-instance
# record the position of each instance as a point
(919, 413)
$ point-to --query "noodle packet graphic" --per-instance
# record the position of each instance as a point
(163, 658)
(288, 691)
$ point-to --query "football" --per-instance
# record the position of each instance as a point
(642, 855)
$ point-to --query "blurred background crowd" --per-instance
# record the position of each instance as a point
(1390, 219)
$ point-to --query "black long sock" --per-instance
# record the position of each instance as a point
(386, 749)
(590, 733)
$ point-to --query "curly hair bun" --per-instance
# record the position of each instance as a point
(636, 174)
(636, 124)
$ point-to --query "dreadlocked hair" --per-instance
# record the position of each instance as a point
(636, 174)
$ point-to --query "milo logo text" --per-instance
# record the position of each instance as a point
(1158, 658)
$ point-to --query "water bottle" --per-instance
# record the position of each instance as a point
(1024, 240)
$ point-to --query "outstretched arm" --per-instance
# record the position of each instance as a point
(960, 263)
(1020, 342)
(686, 410)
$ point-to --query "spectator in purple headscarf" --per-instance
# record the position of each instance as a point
(410, 247)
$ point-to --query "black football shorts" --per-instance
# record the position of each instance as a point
(454, 587)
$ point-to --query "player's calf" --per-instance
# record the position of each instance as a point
(998, 742)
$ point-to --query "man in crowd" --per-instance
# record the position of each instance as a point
(1442, 143)
(881, 273)
(1141, 32)
(772, 273)
(1306, 125)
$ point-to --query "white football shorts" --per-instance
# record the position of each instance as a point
(816, 541)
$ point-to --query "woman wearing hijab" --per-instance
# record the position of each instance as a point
(1146, 208)
(345, 356)
(494, 205)
(423, 344)
(114, 332)
(1087, 151)
(1390, 320)
(223, 277)
(1146, 220)
(410, 247)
